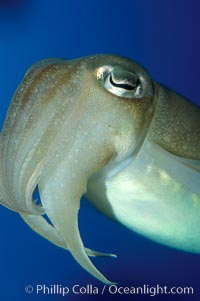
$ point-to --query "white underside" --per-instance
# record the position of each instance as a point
(157, 195)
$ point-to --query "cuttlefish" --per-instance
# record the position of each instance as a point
(99, 126)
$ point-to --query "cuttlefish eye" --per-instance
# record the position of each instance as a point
(119, 82)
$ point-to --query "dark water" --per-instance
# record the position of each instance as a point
(164, 37)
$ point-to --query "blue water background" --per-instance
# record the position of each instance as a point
(164, 36)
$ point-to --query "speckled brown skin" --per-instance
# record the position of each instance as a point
(176, 124)
(66, 135)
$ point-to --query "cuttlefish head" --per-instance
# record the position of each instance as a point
(68, 120)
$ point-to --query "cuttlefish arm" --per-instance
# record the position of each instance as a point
(100, 126)
(42, 227)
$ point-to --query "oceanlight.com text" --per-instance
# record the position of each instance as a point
(89, 289)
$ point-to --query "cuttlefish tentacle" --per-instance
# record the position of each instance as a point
(64, 213)
(45, 80)
(28, 137)
(40, 225)
(101, 126)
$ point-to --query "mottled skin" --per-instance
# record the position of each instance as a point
(131, 145)
(176, 126)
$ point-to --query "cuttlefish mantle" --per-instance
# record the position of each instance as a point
(99, 126)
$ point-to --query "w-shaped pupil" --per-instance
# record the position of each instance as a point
(121, 85)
